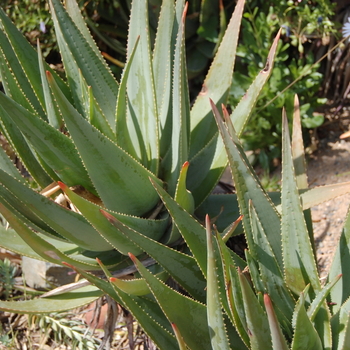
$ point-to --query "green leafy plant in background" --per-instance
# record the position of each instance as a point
(7, 278)
(303, 24)
(65, 329)
(126, 170)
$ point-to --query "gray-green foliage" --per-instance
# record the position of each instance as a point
(125, 172)
(66, 330)
(7, 278)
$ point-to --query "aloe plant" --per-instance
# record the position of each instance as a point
(121, 173)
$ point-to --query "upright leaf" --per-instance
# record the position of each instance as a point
(177, 154)
(299, 264)
(78, 53)
(217, 330)
(305, 334)
(202, 124)
(249, 189)
(142, 107)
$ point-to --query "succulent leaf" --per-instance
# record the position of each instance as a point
(110, 234)
(95, 150)
(177, 154)
(48, 215)
(138, 286)
(340, 327)
(249, 188)
(24, 65)
(299, 264)
(42, 246)
(202, 125)
(182, 267)
(180, 340)
(55, 148)
(278, 340)
(193, 323)
(341, 291)
(305, 334)
(191, 230)
(271, 273)
(79, 53)
(233, 290)
(217, 330)
(142, 108)
(256, 318)
(62, 302)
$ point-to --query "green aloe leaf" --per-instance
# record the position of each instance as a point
(192, 324)
(79, 53)
(217, 329)
(249, 188)
(123, 138)
(108, 165)
(223, 207)
(256, 318)
(177, 154)
(25, 66)
(305, 334)
(66, 223)
(42, 247)
(52, 111)
(340, 265)
(184, 198)
(241, 113)
(58, 303)
(202, 124)
(183, 268)
(321, 297)
(191, 230)
(278, 340)
(23, 150)
(56, 149)
(270, 272)
(162, 63)
(24, 213)
(233, 291)
(73, 10)
(8, 166)
(317, 195)
(212, 154)
(145, 310)
(299, 264)
(180, 340)
(142, 108)
(10, 240)
(93, 111)
(91, 211)
(340, 323)
(137, 286)
(14, 80)
(298, 148)
(212, 157)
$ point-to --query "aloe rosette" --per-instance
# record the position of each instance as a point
(121, 173)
